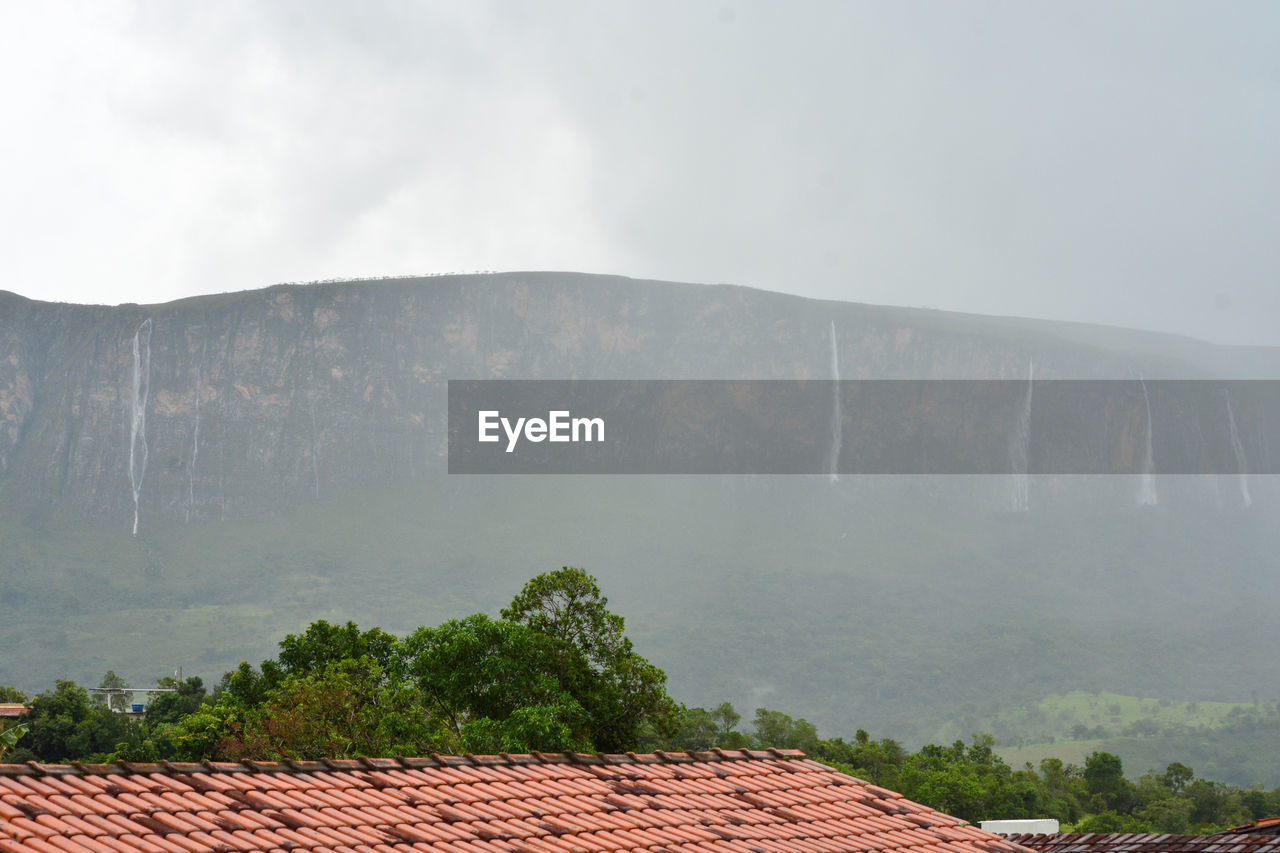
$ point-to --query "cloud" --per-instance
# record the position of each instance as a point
(1092, 161)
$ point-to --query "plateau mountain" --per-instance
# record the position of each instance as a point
(182, 484)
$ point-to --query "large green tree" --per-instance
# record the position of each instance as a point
(1110, 790)
(495, 686)
(556, 673)
(623, 695)
(66, 724)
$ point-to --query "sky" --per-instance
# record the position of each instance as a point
(1106, 162)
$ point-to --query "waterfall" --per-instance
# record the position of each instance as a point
(837, 412)
(1242, 468)
(315, 460)
(1020, 450)
(1147, 483)
(138, 420)
(195, 433)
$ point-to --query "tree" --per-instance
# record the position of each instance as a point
(195, 736)
(556, 673)
(1064, 789)
(323, 644)
(238, 721)
(119, 698)
(567, 604)
(776, 729)
(67, 725)
(347, 709)
(189, 694)
(1172, 815)
(877, 761)
(1177, 776)
(494, 683)
(700, 729)
(10, 735)
(623, 695)
(320, 645)
(247, 686)
(1104, 778)
(1212, 805)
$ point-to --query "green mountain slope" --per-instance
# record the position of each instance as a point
(295, 444)
(916, 620)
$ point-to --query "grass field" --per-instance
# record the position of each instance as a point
(1225, 741)
(1081, 715)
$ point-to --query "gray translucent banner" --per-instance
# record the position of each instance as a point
(830, 427)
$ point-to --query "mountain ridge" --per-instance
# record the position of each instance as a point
(294, 446)
(1065, 326)
(292, 374)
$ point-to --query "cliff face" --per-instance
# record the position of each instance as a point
(228, 406)
(287, 447)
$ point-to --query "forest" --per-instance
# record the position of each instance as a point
(556, 672)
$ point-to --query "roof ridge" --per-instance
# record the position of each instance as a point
(434, 760)
(1100, 841)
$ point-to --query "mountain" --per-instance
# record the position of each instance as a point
(282, 453)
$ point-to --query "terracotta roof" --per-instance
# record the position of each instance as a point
(1098, 842)
(13, 710)
(1266, 826)
(730, 801)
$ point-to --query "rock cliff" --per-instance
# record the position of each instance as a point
(232, 405)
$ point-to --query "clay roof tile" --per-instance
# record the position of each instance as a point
(726, 801)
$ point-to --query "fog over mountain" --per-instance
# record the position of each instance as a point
(282, 454)
(1099, 162)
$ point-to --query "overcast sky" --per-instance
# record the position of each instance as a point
(1106, 162)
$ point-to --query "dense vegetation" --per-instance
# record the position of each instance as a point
(1233, 741)
(926, 619)
(556, 672)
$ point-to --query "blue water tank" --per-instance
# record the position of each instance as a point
(138, 707)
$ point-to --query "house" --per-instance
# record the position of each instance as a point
(12, 710)
(733, 801)
(1098, 842)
